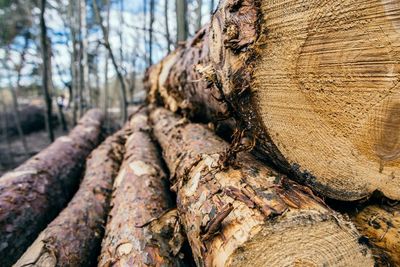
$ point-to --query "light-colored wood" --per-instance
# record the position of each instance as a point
(314, 82)
(381, 224)
(328, 93)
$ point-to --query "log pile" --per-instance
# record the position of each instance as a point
(306, 80)
(300, 85)
(73, 238)
(32, 194)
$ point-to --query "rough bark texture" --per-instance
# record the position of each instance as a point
(381, 224)
(238, 212)
(74, 237)
(33, 194)
(315, 83)
(133, 236)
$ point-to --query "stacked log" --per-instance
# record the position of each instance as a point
(142, 230)
(33, 194)
(307, 80)
(74, 237)
(238, 212)
(381, 224)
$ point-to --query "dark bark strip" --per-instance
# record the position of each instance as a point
(137, 234)
(33, 194)
(244, 213)
(74, 237)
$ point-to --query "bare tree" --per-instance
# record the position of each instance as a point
(181, 20)
(198, 14)
(14, 90)
(212, 4)
(166, 21)
(45, 71)
(151, 32)
(107, 45)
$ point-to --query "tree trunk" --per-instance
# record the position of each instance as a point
(152, 7)
(45, 74)
(140, 196)
(166, 21)
(74, 237)
(74, 59)
(181, 21)
(198, 14)
(238, 212)
(307, 81)
(381, 224)
(107, 45)
(33, 194)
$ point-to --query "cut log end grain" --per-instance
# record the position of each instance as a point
(245, 214)
(141, 229)
(33, 194)
(381, 224)
(326, 87)
(316, 84)
(74, 237)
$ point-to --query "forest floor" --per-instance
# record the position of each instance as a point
(12, 153)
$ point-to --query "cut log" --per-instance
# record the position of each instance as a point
(134, 235)
(315, 83)
(241, 213)
(381, 224)
(74, 237)
(33, 194)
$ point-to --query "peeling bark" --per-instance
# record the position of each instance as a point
(74, 237)
(135, 236)
(238, 212)
(33, 194)
(273, 67)
(381, 224)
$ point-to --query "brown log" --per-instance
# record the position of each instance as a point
(381, 224)
(315, 83)
(33, 194)
(74, 237)
(134, 235)
(238, 212)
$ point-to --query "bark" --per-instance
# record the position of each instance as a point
(45, 74)
(279, 79)
(33, 194)
(238, 212)
(181, 21)
(74, 237)
(107, 45)
(380, 224)
(134, 236)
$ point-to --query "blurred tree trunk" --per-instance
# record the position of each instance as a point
(121, 26)
(74, 59)
(107, 45)
(45, 71)
(181, 20)
(4, 127)
(85, 59)
(152, 6)
(166, 21)
(198, 14)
